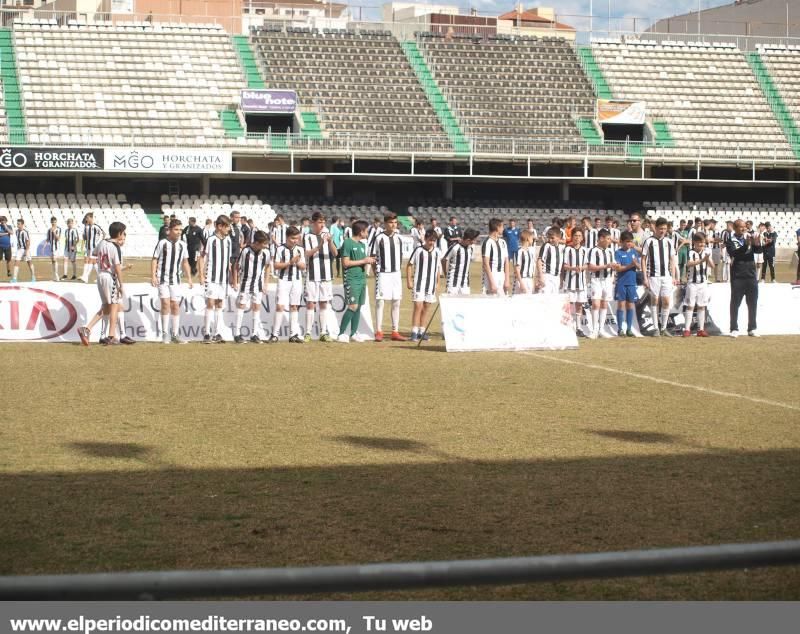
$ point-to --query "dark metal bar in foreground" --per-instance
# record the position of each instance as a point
(287, 581)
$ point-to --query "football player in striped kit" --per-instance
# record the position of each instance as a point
(698, 264)
(54, 242)
(660, 271)
(215, 276)
(494, 258)
(601, 267)
(525, 264)
(71, 239)
(170, 260)
(92, 235)
(277, 236)
(550, 262)
(574, 271)
(23, 251)
(456, 263)
(422, 279)
(250, 278)
(289, 264)
(388, 252)
(320, 254)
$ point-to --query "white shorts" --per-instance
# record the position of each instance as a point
(602, 289)
(428, 298)
(290, 293)
(661, 286)
(696, 295)
(70, 255)
(20, 255)
(552, 284)
(109, 289)
(248, 299)
(525, 285)
(499, 279)
(759, 257)
(215, 291)
(172, 292)
(458, 290)
(577, 297)
(319, 292)
(389, 286)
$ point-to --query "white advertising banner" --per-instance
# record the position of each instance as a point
(778, 309)
(52, 311)
(169, 160)
(518, 322)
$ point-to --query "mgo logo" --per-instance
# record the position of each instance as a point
(31, 314)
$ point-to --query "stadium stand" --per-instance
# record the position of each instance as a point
(102, 84)
(526, 87)
(707, 94)
(783, 217)
(361, 82)
(782, 80)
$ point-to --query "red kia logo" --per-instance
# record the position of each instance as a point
(28, 314)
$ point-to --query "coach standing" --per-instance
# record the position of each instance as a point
(452, 232)
(742, 247)
(193, 235)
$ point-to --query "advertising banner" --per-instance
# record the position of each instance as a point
(621, 112)
(52, 312)
(268, 101)
(174, 160)
(43, 158)
(518, 322)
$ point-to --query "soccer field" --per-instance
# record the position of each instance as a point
(162, 457)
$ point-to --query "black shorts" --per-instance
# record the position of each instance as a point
(5, 254)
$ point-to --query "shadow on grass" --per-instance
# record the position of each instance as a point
(385, 444)
(637, 436)
(168, 518)
(129, 450)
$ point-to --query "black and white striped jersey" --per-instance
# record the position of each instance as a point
(251, 269)
(277, 235)
(23, 239)
(347, 233)
(169, 257)
(601, 257)
(552, 259)
(675, 239)
(285, 254)
(319, 267)
(208, 232)
(418, 236)
(458, 259)
(372, 234)
(217, 257)
(526, 261)
(92, 234)
(388, 251)
(71, 239)
(615, 233)
(575, 280)
(496, 251)
(659, 252)
(590, 238)
(426, 269)
(54, 238)
(697, 274)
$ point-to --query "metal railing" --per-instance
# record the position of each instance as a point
(403, 576)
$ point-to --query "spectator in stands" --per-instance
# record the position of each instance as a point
(768, 240)
(742, 248)
(162, 232)
(193, 235)
(236, 236)
(511, 236)
(452, 232)
(6, 231)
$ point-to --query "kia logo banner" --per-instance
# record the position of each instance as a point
(29, 313)
(28, 158)
(269, 101)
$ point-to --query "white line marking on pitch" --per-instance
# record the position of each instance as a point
(654, 379)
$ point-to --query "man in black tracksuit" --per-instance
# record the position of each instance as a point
(193, 235)
(741, 247)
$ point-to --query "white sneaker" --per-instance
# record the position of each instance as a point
(593, 334)
(734, 334)
(165, 338)
(753, 333)
(359, 338)
(343, 339)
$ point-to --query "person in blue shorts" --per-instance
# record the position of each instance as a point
(628, 261)
(511, 235)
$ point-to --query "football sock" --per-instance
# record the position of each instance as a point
(654, 313)
(355, 320)
(66, 266)
(104, 326)
(55, 270)
(330, 320)
(378, 314)
(207, 321)
(218, 321)
(687, 318)
(346, 317)
(576, 320)
(601, 322)
(664, 319)
(121, 323)
(589, 320)
(277, 323)
(16, 270)
(294, 323)
(256, 324)
(310, 320)
(395, 315)
(176, 325)
(85, 274)
(620, 319)
(164, 324)
(701, 317)
(74, 266)
(239, 319)
(631, 314)
(595, 317)
(33, 273)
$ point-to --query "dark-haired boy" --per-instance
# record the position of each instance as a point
(422, 278)
(628, 261)
(54, 242)
(698, 263)
(660, 271)
(320, 253)
(249, 277)
(215, 276)
(354, 260)
(456, 263)
(289, 265)
(494, 258)
(23, 250)
(170, 259)
(387, 248)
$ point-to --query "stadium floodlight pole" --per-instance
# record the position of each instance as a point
(591, 14)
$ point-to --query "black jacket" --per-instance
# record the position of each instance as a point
(193, 235)
(743, 264)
